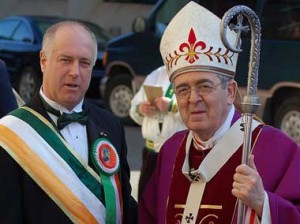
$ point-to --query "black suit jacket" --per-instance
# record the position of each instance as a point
(8, 101)
(23, 201)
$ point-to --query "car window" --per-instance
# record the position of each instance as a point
(101, 35)
(44, 25)
(281, 19)
(7, 29)
(23, 33)
(168, 11)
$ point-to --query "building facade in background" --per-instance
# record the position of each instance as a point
(114, 15)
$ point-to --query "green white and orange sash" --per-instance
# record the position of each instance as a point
(48, 159)
(212, 163)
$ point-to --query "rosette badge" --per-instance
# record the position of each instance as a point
(105, 156)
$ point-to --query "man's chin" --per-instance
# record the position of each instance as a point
(197, 125)
(70, 102)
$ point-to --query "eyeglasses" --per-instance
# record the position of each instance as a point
(184, 92)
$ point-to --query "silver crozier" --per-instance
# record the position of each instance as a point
(250, 101)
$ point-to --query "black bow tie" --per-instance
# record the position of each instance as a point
(64, 119)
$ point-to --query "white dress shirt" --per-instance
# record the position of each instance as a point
(74, 133)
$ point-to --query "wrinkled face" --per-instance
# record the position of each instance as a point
(204, 114)
(67, 67)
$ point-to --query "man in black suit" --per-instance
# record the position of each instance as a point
(64, 159)
(8, 101)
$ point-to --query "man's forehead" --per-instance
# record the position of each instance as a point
(195, 77)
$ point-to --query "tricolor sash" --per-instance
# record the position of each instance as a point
(48, 159)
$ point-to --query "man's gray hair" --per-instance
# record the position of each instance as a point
(51, 31)
(224, 80)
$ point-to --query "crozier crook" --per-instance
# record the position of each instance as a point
(250, 101)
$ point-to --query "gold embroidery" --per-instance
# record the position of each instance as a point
(216, 207)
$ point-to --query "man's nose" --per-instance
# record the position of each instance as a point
(195, 96)
(75, 68)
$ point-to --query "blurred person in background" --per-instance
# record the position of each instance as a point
(159, 120)
(8, 101)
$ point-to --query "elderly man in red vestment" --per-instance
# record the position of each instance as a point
(199, 177)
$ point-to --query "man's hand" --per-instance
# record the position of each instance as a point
(147, 109)
(248, 186)
(162, 103)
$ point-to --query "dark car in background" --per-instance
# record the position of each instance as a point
(130, 57)
(20, 44)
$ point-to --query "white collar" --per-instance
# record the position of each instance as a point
(219, 154)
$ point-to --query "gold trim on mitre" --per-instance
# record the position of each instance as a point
(192, 42)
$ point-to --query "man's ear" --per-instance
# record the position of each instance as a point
(238, 101)
(232, 90)
(42, 60)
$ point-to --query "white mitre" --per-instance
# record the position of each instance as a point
(192, 42)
